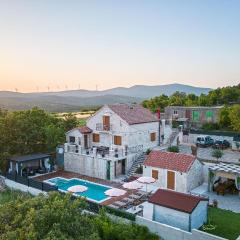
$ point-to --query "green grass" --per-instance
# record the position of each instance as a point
(227, 223)
(11, 195)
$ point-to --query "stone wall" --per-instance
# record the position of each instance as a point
(171, 233)
(86, 165)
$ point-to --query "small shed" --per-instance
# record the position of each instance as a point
(30, 164)
(179, 210)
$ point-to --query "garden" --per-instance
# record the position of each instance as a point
(223, 223)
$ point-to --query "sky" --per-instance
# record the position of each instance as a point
(53, 45)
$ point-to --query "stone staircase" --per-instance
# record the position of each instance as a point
(139, 161)
(171, 138)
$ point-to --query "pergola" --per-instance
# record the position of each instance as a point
(230, 171)
(18, 163)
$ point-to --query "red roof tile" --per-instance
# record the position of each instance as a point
(133, 113)
(85, 130)
(169, 160)
(175, 200)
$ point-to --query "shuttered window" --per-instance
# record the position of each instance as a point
(96, 137)
(155, 174)
(117, 140)
(153, 137)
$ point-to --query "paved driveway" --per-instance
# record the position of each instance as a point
(206, 154)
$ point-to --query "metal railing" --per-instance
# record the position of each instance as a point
(102, 127)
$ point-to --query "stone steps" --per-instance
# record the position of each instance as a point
(139, 161)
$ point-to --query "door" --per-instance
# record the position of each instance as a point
(85, 141)
(106, 123)
(171, 180)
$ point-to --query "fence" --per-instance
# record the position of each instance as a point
(217, 133)
(31, 182)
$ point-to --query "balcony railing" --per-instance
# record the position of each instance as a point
(102, 127)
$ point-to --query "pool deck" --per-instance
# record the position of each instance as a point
(69, 175)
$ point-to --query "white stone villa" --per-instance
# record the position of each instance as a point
(174, 171)
(113, 138)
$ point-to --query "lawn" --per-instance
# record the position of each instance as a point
(227, 223)
(9, 195)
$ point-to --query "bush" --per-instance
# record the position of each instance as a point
(210, 126)
(173, 149)
(139, 170)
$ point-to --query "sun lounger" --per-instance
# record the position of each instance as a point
(113, 206)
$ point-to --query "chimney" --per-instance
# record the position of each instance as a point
(194, 150)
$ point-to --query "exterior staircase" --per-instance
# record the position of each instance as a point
(139, 161)
(172, 138)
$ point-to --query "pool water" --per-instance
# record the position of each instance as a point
(94, 193)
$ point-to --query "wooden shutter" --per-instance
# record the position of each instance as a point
(106, 123)
(96, 137)
(155, 174)
(171, 180)
(117, 140)
(153, 137)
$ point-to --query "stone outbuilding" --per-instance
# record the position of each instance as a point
(179, 210)
(174, 171)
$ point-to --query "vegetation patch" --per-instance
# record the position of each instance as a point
(226, 223)
(61, 217)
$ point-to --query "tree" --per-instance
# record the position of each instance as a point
(224, 119)
(234, 115)
(217, 154)
(59, 217)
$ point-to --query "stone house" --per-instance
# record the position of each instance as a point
(179, 210)
(113, 138)
(174, 171)
(192, 116)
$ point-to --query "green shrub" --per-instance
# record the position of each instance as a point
(173, 149)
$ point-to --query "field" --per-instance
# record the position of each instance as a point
(227, 223)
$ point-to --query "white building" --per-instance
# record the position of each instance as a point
(179, 210)
(174, 171)
(115, 136)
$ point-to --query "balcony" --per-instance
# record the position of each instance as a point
(103, 128)
(100, 152)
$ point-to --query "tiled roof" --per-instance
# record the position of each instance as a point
(85, 129)
(169, 160)
(133, 113)
(175, 200)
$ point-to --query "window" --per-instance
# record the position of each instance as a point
(96, 137)
(155, 174)
(106, 123)
(117, 140)
(195, 115)
(71, 139)
(209, 115)
(153, 137)
(175, 112)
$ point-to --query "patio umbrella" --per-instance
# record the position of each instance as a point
(115, 192)
(132, 185)
(77, 188)
(146, 180)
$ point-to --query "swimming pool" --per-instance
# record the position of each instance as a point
(94, 193)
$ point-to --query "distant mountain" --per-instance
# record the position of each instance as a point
(73, 100)
(139, 91)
